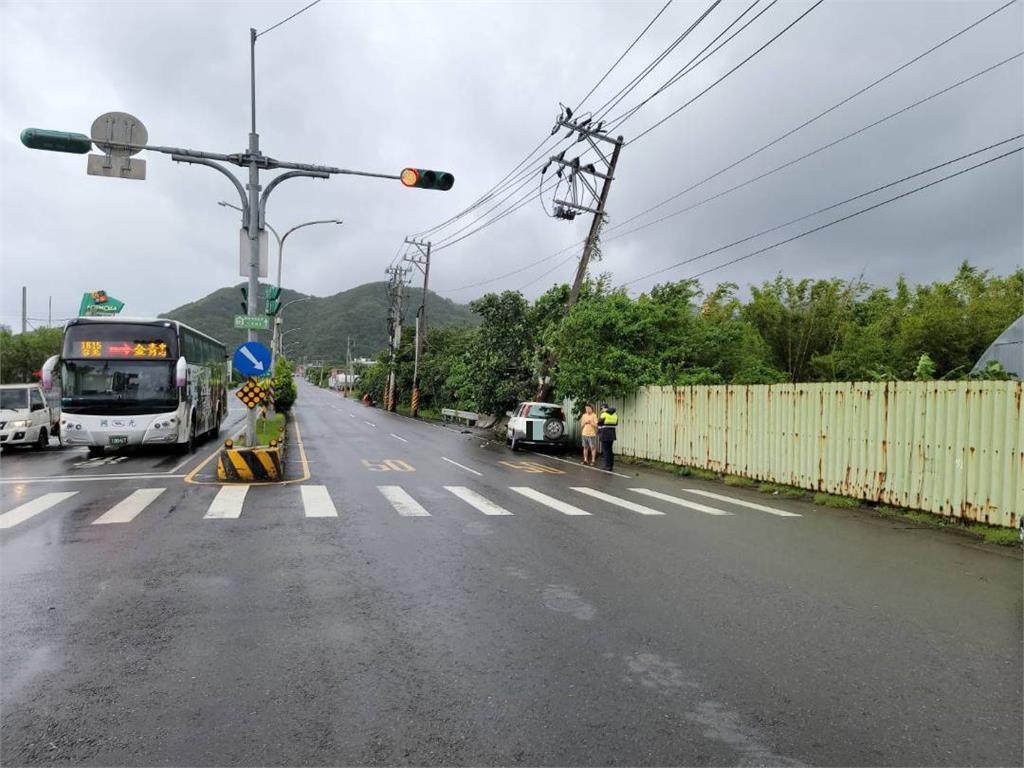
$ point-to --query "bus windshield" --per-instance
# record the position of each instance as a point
(118, 386)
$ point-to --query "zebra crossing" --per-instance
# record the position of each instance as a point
(316, 502)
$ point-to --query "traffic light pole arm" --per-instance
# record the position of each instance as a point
(277, 180)
(328, 169)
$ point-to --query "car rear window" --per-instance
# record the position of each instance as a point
(546, 412)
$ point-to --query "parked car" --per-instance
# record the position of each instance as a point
(537, 424)
(26, 418)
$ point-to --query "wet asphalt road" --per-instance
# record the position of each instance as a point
(413, 628)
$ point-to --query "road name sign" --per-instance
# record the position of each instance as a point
(252, 359)
(252, 322)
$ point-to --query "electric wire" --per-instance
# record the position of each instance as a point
(820, 115)
(807, 155)
(301, 10)
(825, 225)
(771, 40)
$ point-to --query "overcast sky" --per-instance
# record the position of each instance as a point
(472, 88)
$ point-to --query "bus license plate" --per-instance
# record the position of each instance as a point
(119, 439)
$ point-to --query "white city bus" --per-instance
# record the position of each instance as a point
(128, 381)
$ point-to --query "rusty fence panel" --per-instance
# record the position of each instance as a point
(952, 448)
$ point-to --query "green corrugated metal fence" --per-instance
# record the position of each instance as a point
(951, 448)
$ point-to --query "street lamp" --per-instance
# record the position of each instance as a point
(282, 238)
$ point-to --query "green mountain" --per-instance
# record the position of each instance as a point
(323, 323)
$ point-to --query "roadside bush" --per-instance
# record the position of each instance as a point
(285, 392)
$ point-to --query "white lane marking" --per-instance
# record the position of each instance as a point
(72, 479)
(543, 498)
(462, 466)
(742, 503)
(577, 464)
(370, 423)
(618, 502)
(681, 502)
(126, 510)
(403, 503)
(399, 438)
(317, 501)
(227, 503)
(32, 508)
(474, 499)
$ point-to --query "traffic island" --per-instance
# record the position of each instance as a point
(261, 463)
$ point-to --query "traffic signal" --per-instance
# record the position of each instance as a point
(425, 179)
(56, 141)
(245, 299)
(273, 296)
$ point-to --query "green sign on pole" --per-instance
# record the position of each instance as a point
(252, 322)
(99, 303)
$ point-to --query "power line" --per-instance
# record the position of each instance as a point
(497, 188)
(803, 157)
(301, 10)
(691, 65)
(834, 221)
(618, 60)
(626, 89)
(771, 40)
(820, 115)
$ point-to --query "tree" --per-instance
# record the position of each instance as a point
(285, 392)
(23, 354)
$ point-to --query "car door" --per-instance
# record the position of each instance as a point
(519, 422)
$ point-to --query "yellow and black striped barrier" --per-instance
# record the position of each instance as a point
(245, 465)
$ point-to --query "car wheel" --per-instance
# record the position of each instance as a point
(43, 440)
(514, 443)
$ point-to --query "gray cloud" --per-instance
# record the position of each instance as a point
(471, 87)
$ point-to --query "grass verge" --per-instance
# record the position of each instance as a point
(991, 534)
(740, 482)
(782, 490)
(269, 429)
(836, 502)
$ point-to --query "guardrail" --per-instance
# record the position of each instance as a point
(450, 414)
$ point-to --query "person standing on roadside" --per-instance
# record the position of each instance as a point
(588, 431)
(606, 424)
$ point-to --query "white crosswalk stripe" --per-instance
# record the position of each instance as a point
(32, 508)
(403, 503)
(549, 501)
(474, 499)
(317, 501)
(743, 503)
(125, 511)
(227, 504)
(640, 508)
(681, 502)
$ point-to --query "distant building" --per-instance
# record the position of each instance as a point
(1007, 350)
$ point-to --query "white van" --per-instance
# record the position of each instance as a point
(26, 418)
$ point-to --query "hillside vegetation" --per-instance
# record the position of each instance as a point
(325, 321)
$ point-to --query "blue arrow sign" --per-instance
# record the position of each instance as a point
(252, 359)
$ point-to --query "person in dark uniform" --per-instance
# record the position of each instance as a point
(606, 424)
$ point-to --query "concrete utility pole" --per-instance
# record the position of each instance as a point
(348, 365)
(396, 287)
(422, 261)
(24, 308)
(568, 209)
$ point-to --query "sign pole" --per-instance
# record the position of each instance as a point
(253, 189)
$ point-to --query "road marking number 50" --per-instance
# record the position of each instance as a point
(388, 465)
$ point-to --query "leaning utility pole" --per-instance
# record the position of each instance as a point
(569, 206)
(422, 261)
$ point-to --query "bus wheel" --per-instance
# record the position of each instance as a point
(190, 446)
(95, 450)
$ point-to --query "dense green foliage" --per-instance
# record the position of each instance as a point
(786, 331)
(325, 322)
(285, 392)
(22, 354)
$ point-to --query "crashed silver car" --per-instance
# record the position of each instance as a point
(538, 425)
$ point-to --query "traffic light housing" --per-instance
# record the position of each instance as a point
(56, 141)
(245, 299)
(273, 300)
(423, 178)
